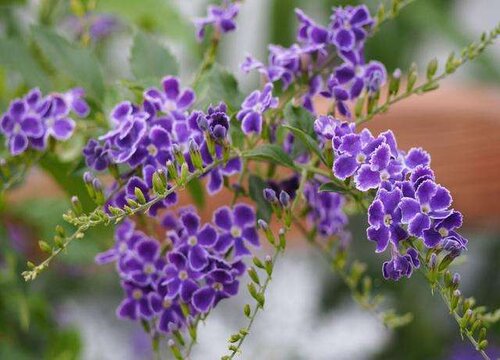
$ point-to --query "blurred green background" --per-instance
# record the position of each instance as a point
(68, 312)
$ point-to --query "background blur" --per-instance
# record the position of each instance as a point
(68, 313)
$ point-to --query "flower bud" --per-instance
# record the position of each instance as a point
(284, 199)
(455, 299)
(172, 170)
(270, 195)
(139, 195)
(77, 206)
(268, 263)
(178, 155)
(282, 238)
(253, 275)
(194, 153)
(159, 185)
(456, 280)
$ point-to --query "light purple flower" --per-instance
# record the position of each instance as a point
(221, 17)
(172, 101)
(309, 32)
(180, 278)
(401, 265)
(137, 303)
(349, 25)
(145, 266)
(253, 108)
(221, 284)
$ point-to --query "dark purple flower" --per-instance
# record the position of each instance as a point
(180, 278)
(217, 122)
(237, 227)
(254, 106)
(443, 232)
(196, 241)
(431, 202)
(221, 17)
(137, 303)
(173, 100)
(326, 210)
(96, 156)
(348, 26)
(145, 266)
(170, 315)
(309, 32)
(154, 149)
(384, 218)
(401, 265)
(221, 284)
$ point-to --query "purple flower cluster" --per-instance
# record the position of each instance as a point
(145, 137)
(197, 265)
(326, 212)
(30, 121)
(220, 17)
(316, 46)
(408, 202)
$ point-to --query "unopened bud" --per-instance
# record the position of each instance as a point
(284, 199)
(270, 195)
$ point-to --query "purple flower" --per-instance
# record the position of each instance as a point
(237, 227)
(384, 218)
(180, 278)
(216, 122)
(96, 156)
(309, 32)
(353, 151)
(130, 128)
(221, 17)
(254, 106)
(137, 304)
(196, 241)
(431, 202)
(173, 100)
(168, 310)
(443, 232)
(221, 284)
(382, 167)
(146, 265)
(326, 210)
(348, 26)
(99, 25)
(401, 265)
(154, 149)
(124, 243)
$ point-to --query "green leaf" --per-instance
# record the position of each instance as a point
(332, 187)
(299, 118)
(67, 179)
(308, 141)
(216, 85)
(256, 187)
(237, 135)
(16, 56)
(196, 190)
(270, 152)
(78, 64)
(150, 60)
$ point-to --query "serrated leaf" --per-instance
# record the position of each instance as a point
(15, 55)
(256, 187)
(76, 63)
(270, 152)
(332, 187)
(308, 141)
(150, 60)
(216, 85)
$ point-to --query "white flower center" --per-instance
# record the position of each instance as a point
(152, 150)
(192, 240)
(169, 105)
(149, 268)
(17, 128)
(122, 248)
(384, 175)
(137, 294)
(443, 232)
(235, 231)
(183, 275)
(387, 220)
(217, 286)
(167, 303)
(425, 209)
(361, 158)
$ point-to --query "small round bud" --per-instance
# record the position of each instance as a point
(263, 224)
(270, 195)
(87, 177)
(284, 199)
(171, 343)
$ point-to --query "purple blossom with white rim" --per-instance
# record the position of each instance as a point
(384, 218)
(168, 310)
(57, 123)
(254, 107)
(217, 122)
(18, 125)
(236, 229)
(196, 240)
(309, 31)
(221, 17)
(325, 126)
(180, 278)
(220, 284)
(129, 129)
(431, 203)
(137, 304)
(146, 264)
(349, 25)
(382, 167)
(154, 149)
(353, 151)
(417, 157)
(75, 99)
(97, 155)
(443, 232)
(401, 265)
(375, 75)
(173, 100)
